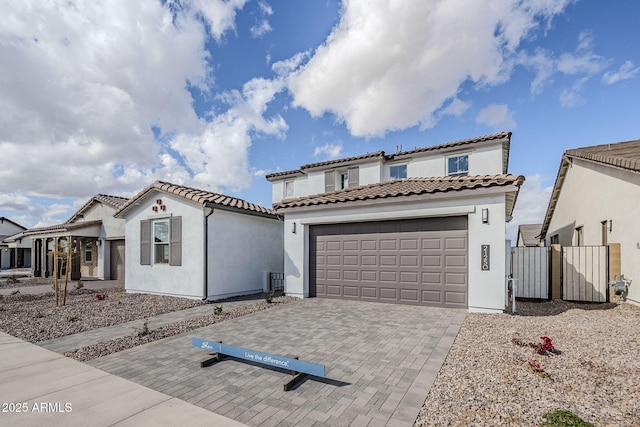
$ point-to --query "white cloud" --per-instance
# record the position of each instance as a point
(456, 108)
(572, 97)
(330, 151)
(89, 81)
(583, 60)
(217, 153)
(391, 65)
(543, 65)
(496, 116)
(531, 205)
(262, 27)
(626, 71)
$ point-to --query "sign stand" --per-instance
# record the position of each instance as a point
(299, 369)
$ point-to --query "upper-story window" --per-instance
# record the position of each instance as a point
(288, 189)
(398, 172)
(458, 165)
(341, 179)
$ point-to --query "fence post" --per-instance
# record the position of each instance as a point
(614, 266)
(556, 268)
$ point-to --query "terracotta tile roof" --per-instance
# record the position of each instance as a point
(116, 202)
(462, 142)
(530, 233)
(58, 228)
(506, 136)
(201, 197)
(625, 155)
(403, 187)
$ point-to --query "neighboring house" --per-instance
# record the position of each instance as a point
(13, 253)
(529, 235)
(193, 243)
(596, 201)
(425, 226)
(96, 237)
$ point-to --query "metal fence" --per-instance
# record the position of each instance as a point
(530, 266)
(585, 273)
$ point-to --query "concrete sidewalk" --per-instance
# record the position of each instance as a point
(73, 342)
(41, 388)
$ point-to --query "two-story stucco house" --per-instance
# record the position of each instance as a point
(425, 226)
(95, 236)
(596, 200)
(197, 244)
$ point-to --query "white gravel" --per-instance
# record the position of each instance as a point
(486, 381)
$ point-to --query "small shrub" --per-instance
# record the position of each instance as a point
(72, 319)
(217, 310)
(101, 296)
(145, 329)
(269, 297)
(561, 418)
(538, 370)
(544, 347)
(79, 285)
(38, 315)
(12, 280)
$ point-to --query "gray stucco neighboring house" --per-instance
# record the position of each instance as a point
(14, 253)
(199, 244)
(596, 201)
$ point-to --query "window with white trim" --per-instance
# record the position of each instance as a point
(343, 180)
(398, 171)
(458, 165)
(288, 189)
(579, 236)
(161, 241)
(88, 251)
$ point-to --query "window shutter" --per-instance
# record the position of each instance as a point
(329, 181)
(145, 242)
(175, 241)
(354, 177)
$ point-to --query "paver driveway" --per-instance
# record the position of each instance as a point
(381, 360)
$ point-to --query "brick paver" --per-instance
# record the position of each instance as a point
(381, 360)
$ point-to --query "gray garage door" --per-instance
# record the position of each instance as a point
(420, 261)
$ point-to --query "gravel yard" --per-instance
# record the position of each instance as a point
(36, 318)
(486, 380)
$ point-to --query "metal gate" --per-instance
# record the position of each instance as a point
(530, 268)
(585, 273)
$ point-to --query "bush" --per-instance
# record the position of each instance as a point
(561, 418)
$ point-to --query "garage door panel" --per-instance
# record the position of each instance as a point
(409, 295)
(388, 245)
(409, 261)
(433, 297)
(409, 277)
(456, 298)
(432, 260)
(369, 292)
(389, 294)
(333, 290)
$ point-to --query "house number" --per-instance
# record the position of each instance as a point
(485, 258)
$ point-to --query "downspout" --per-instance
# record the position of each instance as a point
(205, 281)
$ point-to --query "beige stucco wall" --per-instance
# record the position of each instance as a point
(593, 193)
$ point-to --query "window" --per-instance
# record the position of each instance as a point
(344, 180)
(161, 241)
(554, 240)
(458, 165)
(579, 236)
(398, 172)
(288, 189)
(88, 251)
(604, 226)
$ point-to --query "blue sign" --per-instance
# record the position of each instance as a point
(259, 357)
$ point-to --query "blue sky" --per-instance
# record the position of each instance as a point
(109, 97)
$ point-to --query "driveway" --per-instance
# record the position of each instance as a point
(381, 360)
